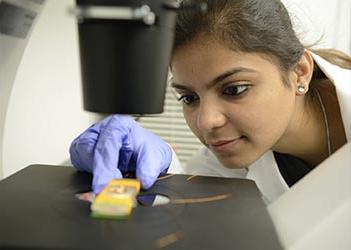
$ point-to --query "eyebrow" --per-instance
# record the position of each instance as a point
(217, 79)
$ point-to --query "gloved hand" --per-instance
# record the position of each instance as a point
(117, 145)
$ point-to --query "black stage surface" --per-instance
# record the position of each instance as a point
(39, 210)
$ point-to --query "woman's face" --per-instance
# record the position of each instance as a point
(235, 103)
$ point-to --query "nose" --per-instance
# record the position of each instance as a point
(210, 117)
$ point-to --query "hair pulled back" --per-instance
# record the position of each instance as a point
(258, 26)
(261, 26)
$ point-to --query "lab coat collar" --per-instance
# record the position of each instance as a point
(266, 174)
(342, 81)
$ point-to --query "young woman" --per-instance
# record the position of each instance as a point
(254, 96)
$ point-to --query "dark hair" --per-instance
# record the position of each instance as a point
(261, 26)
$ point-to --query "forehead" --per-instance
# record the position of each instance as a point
(200, 61)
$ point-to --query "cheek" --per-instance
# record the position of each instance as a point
(266, 119)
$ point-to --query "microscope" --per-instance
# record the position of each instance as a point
(125, 51)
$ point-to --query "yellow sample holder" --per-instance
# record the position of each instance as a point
(116, 200)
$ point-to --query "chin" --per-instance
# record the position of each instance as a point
(234, 162)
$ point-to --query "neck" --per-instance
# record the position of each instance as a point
(305, 136)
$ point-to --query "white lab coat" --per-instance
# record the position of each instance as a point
(265, 170)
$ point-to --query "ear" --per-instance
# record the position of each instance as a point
(303, 73)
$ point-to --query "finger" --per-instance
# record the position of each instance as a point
(150, 163)
(106, 155)
(82, 148)
(81, 154)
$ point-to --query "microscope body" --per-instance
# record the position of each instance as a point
(125, 51)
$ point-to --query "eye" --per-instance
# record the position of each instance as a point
(235, 90)
(188, 99)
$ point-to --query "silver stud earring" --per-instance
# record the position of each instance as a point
(301, 89)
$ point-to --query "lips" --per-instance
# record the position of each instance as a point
(225, 145)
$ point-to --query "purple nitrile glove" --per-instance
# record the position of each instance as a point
(118, 145)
